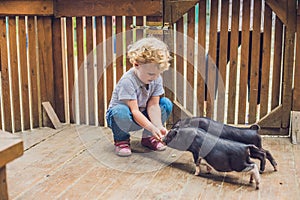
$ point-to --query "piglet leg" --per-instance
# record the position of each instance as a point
(197, 162)
(254, 174)
(198, 170)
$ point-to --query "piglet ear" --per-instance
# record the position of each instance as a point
(255, 127)
(177, 124)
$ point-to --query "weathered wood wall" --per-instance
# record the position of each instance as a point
(72, 55)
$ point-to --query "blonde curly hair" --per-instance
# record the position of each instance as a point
(150, 50)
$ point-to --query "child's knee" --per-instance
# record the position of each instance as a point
(166, 104)
(120, 112)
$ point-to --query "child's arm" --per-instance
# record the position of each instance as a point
(142, 120)
(154, 113)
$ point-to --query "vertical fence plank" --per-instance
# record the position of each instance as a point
(58, 69)
(119, 47)
(296, 94)
(201, 58)
(266, 55)
(14, 73)
(179, 61)
(255, 53)
(100, 67)
(81, 90)
(129, 39)
(90, 70)
(244, 62)
(234, 38)
(46, 59)
(5, 77)
(139, 32)
(211, 60)
(33, 72)
(223, 55)
(277, 63)
(190, 59)
(109, 58)
(71, 74)
(1, 96)
(24, 73)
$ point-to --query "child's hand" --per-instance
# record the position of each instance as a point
(163, 131)
(157, 134)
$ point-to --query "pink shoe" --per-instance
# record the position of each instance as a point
(153, 144)
(122, 148)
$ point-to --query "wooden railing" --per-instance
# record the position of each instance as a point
(73, 53)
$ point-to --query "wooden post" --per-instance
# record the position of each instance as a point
(288, 65)
(3, 184)
(11, 147)
(295, 127)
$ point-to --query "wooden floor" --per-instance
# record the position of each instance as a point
(77, 162)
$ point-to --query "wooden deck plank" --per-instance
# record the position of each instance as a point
(77, 162)
(48, 156)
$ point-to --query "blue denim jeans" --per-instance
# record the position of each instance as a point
(120, 120)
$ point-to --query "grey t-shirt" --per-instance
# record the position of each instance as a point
(130, 87)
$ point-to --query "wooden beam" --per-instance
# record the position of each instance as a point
(272, 132)
(11, 147)
(280, 9)
(296, 91)
(26, 7)
(272, 120)
(69, 8)
(174, 10)
(179, 112)
(52, 115)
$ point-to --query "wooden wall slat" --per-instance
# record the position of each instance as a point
(266, 55)
(212, 59)
(99, 53)
(5, 77)
(70, 58)
(129, 38)
(36, 112)
(139, 32)
(255, 52)
(58, 70)
(119, 46)
(234, 42)
(1, 97)
(201, 58)
(179, 61)
(190, 60)
(81, 91)
(90, 70)
(277, 63)
(223, 54)
(46, 58)
(14, 73)
(24, 73)
(296, 94)
(109, 58)
(244, 62)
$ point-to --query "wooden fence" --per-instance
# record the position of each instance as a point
(231, 63)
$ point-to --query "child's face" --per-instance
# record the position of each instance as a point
(147, 72)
